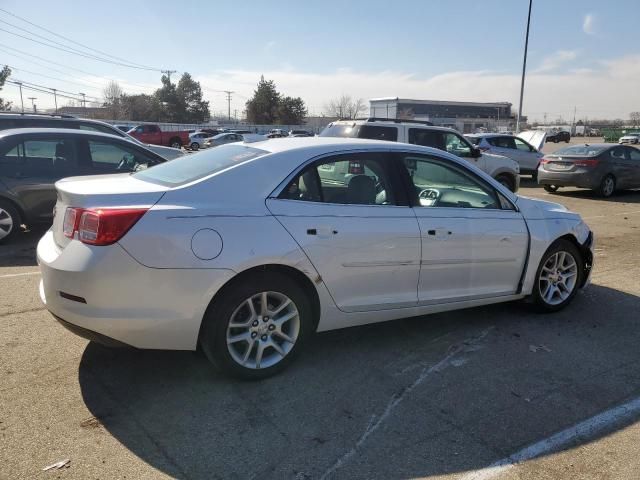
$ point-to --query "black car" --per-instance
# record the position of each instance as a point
(561, 136)
(33, 159)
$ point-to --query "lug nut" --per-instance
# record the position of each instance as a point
(264, 338)
(271, 327)
(265, 319)
(255, 324)
(254, 334)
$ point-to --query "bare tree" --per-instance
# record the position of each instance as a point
(345, 106)
(635, 118)
(112, 94)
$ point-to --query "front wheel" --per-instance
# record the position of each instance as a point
(195, 146)
(558, 277)
(550, 188)
(9, 221)
(257, 327)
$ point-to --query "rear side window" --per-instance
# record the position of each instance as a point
(100, 128)
(189, 168)
(377, 132)
(426, 138)
(474, 140)
(502, 142)
(53, 158)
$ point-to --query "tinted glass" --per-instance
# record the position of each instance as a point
(427, 138)
(376, 132)
(193, 167)
(52, 158)
(634, 154)
(355, 179)
(100, 128)
(440, 185)
(583, 150)
(474, 140)
(520, 145)
(340, 130)
(456, 145)
(502, 142)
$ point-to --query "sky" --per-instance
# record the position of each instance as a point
(581, 52)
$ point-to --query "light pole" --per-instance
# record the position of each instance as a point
(524, 69)
(33, 105)
(55, 98)
(21, 100)
(84, 102)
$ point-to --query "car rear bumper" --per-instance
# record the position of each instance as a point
(102, 292)
(569, 179)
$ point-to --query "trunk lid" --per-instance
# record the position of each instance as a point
(535, 138)
(99, 191)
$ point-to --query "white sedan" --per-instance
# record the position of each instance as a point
(247, 249)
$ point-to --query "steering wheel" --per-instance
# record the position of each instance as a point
(429, 194)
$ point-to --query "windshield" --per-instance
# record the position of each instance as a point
(193, 167)
(474, 140)
(584, 150)
(340, 130)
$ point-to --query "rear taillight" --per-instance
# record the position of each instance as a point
(545, 160)
(100, 226)
(586, 162)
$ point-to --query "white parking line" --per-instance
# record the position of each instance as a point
(582, 431)
(10, 275)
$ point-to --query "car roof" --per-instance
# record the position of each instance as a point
(275, 145)
(28, 131)
(483, 135)
(392, 123)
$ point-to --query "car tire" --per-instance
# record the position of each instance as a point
(550, 188)
(607, 186)
(10, 221)
(260, 330)
(506, 181)
(175, 143)
(558, 277)
(195, 146)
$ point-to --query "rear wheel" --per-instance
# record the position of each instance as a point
(195, 146)
(257, 327)
(175, 143)
(507, 181)
(607, 186)
(9, 221)
(558, 277)
(551, 188)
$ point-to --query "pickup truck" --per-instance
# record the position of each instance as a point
(154, 135)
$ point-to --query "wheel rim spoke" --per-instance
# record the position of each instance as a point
(255, 337)
(558, 277)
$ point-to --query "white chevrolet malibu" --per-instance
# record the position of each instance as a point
(247, 249)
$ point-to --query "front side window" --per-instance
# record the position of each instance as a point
(634, 154)
(99, 128)
(350, 179)
(456, 145)
(114, 158)
(438, 184)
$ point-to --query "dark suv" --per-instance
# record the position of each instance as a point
(32, 160)
(28, 120)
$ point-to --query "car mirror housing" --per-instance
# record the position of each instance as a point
(476, 152)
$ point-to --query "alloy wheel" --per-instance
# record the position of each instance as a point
(558, 277)
(262, 330)
(6, 223)
(608, 186)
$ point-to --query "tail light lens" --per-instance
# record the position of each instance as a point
(587, 162)
(545, 160)
(101, 226)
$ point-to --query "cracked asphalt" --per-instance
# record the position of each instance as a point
(442, 396)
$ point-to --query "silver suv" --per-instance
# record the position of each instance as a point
(503, 169)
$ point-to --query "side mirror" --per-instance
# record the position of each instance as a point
(476, 152)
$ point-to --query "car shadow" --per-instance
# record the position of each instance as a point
(410, 398)
(20, 250)
(620, 196)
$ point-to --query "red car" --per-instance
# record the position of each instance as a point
(154, 135)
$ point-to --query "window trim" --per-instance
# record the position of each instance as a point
(413, 196)
(402, 197)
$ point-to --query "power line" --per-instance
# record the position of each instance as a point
(73, 41)
(21, 85)
(91, 57)
(50, 77)
(63, 91)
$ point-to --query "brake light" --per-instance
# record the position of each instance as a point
(545, 160)
(101, 226)
(587, 162)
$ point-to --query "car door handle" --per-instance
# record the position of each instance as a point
(439, 232)
(322, 231)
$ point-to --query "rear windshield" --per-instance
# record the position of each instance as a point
(340, 130)
(189, 168)
(584, 150)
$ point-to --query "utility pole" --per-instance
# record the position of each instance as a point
(573, 125)
(55, 98)
(21, 100)
(228, 92)
(33, 105)
(168, 73)
(524, 68)
(545, 119)
(84, 102)
(235, 114)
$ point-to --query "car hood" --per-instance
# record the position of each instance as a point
(535, 138)
(497, 160)
(534, 209)
(168, 153)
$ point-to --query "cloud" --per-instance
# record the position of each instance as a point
(555, 60)
(589, 24)
(606, 91)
